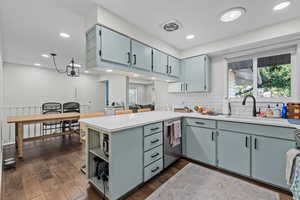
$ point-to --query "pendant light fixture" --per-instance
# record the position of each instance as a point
(72, 69)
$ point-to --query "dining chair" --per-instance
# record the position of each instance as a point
(51, 108)
(71, 125)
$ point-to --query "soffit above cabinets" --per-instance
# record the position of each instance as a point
(201, 18)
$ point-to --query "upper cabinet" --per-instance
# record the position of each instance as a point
(196, 74)
(141, 56)
(160, 62)
(114, 47)
(174, 66)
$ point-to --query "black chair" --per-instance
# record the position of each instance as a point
(52, 108)
(71, 125)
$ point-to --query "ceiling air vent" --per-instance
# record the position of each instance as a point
(171, 25)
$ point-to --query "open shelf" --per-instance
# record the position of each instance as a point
(99, 185)
(99, 152)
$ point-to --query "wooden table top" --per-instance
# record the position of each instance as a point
(50, 117)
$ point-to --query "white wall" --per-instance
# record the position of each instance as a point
(115, 22)
(1, 92)
(118, 87)
(31, 86)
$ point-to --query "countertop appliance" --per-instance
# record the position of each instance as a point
(171, 154)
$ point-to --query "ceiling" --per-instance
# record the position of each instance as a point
(199, 17)
(31, 28)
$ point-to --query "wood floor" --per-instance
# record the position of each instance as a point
(50, 170)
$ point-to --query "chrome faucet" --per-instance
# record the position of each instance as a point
(254, 104)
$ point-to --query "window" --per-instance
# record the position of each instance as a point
(132, 95)
(240, 78)
(265, 77)
(274, 76)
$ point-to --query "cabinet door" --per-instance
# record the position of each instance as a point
(175, 87)
(269, 159)
(234, 152)
(200, 144)
(174, 66)
(141, 56)
(115, 47)
(160, 62)
(195, 74)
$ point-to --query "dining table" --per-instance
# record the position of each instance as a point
(21, 121)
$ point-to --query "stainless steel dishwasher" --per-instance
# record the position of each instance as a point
(171, 154)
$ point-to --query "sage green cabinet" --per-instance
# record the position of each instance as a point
(174, 66)
(234, 152)
(269, 159)
(160, 62)
(200, 144)
(196, 74)
(141, 56)
(115, 47)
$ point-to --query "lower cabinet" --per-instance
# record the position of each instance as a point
(244, 149)
(200, 144)
(269, 159)
(234, 152)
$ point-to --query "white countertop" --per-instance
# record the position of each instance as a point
(116, 123)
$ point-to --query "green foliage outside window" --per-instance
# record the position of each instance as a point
(275, 80)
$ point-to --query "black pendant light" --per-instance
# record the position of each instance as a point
(71, 69)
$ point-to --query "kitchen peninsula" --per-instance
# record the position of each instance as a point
(251, 147)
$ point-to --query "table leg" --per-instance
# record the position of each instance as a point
(16, 135)
(20, 132)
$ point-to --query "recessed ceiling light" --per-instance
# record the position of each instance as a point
(232, 14)
(136, 75)
(189, 37)
(37, 64)
(282, 5)
(86, 71)
(45, 55)
(64, 35)
(108, 70)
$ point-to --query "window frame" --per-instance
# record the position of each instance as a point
(254, 56)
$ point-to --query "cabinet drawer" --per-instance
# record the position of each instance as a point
(153, 169)
(152, 141)
(153, 155)
(206, 123)
(152, 128)
(255, 129)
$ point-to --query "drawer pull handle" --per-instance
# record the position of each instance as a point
(153, 129)
(154, 155)
(155, 169)
(154, 141)
(202, 123)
